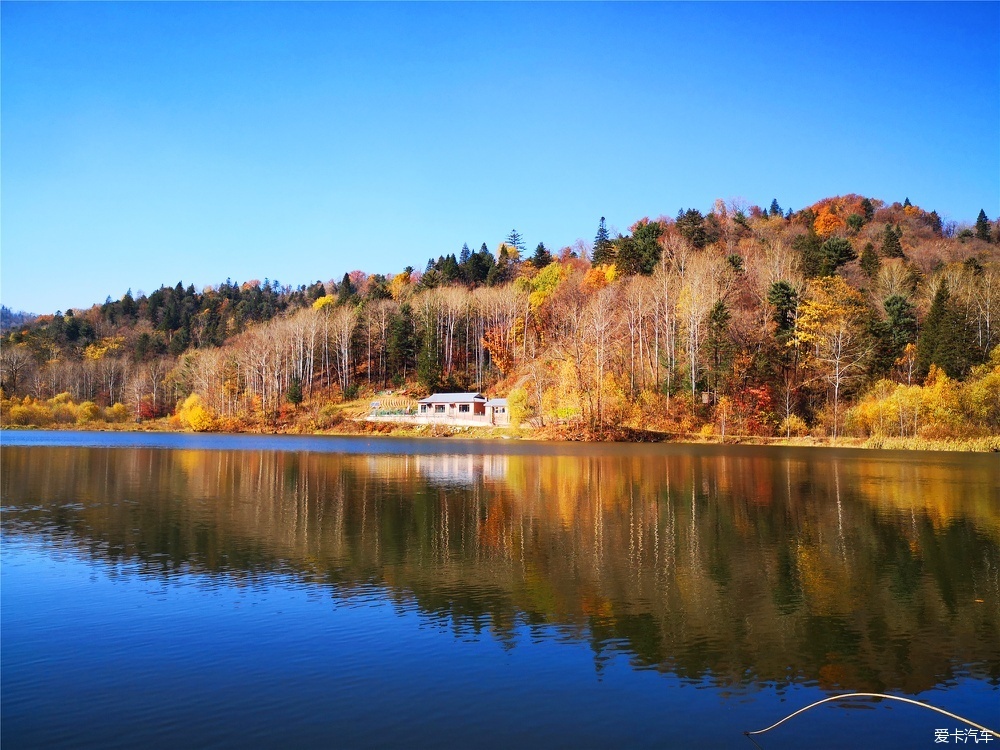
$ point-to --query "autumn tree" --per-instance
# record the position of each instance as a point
(831, 324)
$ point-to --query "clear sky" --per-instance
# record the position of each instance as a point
(147, 143)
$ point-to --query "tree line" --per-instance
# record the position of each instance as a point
(741, 320)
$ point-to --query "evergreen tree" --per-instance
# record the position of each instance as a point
(836, 252)
(944, 338)
(428, 364)
(447, 266)
(602, 246)
(718, 344)
(891, 248)
(294, 392)
(775, 208)
(870, 262)
(514, 240)
(477, 270)
(868, 208)
(463, 257)
(982, 226)
(542, 256)
(345, 290)
(626, 256)
(810, 245)
(785, 301)
(646, 237)
(935, 222)
(906, 203)
(401, 346)
(902, 320)
(504, 269)
(691, 225)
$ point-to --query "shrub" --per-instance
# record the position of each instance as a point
(194, 415)
(64, 413)
(116, 413)
(794, 426)
(87, 412)
(20, 415)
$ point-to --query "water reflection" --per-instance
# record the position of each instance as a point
(742, 569)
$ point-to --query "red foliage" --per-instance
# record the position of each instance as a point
(752, 410)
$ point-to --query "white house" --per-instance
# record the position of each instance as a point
(453, 405)
(496, 411)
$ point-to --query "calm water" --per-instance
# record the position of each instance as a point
(221, 591)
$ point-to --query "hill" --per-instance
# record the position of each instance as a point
(851, 316)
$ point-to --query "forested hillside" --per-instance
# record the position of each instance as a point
(852, 316)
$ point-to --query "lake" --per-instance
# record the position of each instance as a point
(165, 590)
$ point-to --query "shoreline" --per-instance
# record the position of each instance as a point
(988, 444)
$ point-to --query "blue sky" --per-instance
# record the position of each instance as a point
(147, 143)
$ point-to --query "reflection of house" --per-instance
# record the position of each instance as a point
(465, 469)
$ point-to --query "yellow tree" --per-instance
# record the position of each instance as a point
(831, 325)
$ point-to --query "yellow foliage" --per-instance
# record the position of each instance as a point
(104, 347)
(544, 283)
(793, 425)
(562, 401)
(116, 413)
(517, 405)
(617, 399)
(87, 412)
(832, 306)
(981, 394)
(399, 285)
(324, 302)
(194, 415)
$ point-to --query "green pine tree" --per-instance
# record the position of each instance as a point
(836, 252)
(983, 226)
(944, 340)
(603, 251)
(891, 248)
(870, 262)
(542, 256)
(514, 240)
(294, 392)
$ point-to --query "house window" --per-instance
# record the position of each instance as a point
(463, 408)
(423, 408)
(439, 408)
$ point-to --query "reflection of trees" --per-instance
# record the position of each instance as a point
(744, 568)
